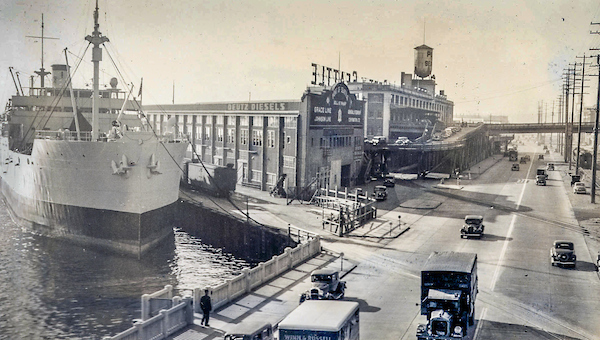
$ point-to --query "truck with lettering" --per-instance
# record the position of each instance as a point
(448, 292)
(321, 320)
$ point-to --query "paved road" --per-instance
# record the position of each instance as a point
(521, 295)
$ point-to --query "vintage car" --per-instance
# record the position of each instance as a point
(550, 166)
(515, 167)
(523, 160)
(540, 180)
(380, 193)
(527, 158)
(473, 227)
(389, 181)
(579, 188)
(251, 331)
(326, 285)
(563, 253)
(541, 157)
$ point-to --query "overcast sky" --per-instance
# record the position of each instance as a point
(490, 57)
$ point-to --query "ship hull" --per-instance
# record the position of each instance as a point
(101, 229)
(71, 190)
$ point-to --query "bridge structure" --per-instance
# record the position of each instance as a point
(463, 149)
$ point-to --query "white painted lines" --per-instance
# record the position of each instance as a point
(479, 323)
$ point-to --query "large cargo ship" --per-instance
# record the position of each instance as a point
(110, 184)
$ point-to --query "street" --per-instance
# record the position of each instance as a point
(521, 295)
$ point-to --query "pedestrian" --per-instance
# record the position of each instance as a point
(206, 307)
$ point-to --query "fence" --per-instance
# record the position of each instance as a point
(175, 313)
(348, 210)
(252, 278)
(167, 322)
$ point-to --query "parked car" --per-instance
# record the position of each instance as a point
(563, 253)
(389, 181)
(380, 193)
(579, 188)
(540, 180)
(515, 167)
(251, 331)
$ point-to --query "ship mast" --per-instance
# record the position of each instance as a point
(96, 39)
(42, 72)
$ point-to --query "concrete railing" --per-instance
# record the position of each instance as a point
(252, 278)
(167, 322)
(153, 303)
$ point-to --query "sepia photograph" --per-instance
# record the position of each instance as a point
(299, 170)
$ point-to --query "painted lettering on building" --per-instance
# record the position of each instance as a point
(256, 107)
(335, 107)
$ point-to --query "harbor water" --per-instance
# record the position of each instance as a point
(50, 289)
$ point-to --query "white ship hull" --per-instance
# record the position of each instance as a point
(82, 191)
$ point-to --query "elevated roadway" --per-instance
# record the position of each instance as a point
(537, 127)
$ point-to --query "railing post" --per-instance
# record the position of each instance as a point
(196, 299)
(189, 310)
(145, 307)
(139, 325)
(246, 278)
(164, 322)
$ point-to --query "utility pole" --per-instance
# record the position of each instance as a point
(580, 115)
(566, 154)
(595, 156)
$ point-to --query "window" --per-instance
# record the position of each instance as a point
(244, 120)
(219, 134)
(256, 176)
(231, 136)
(231, 120)
(289, 162)
(257, 137)
(273, 121)
(207, 133)
(257, 121)
(271, 179)
(290, 122)
(244, 136)
(220, 119)
(271, 139)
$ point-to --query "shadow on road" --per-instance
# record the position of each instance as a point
(363, 305)
(495, 238)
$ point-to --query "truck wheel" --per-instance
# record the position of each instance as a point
(472, 318)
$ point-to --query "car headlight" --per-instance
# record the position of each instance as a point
(457, 331)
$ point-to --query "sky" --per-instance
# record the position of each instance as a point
(490, 57)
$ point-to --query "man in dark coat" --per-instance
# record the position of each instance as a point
(206, 307)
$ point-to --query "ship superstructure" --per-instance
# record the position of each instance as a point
(74, 166)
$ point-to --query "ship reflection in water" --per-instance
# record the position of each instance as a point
(50, 289)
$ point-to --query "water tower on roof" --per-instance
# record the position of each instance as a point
(423, 61)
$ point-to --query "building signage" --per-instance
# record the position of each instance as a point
(256, 106)
(325, 76)
(337, 107)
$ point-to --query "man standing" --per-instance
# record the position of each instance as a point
(206, 307)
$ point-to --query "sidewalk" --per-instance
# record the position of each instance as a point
(268, 303)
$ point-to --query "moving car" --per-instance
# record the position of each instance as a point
(523, 160)
(258, 330)
(515, 167)
(579, 188)
(563, 253)
(402, 140)
(389, 181)
(473, 226)
(540, 180)
(550, 167)
(326, 285)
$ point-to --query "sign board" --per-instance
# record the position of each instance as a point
(336, 107)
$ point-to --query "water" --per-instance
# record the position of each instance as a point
(50, 289)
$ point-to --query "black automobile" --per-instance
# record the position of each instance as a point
(389, 182)
(515, 167)
(563, 253)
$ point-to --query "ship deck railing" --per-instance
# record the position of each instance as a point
(86, 136)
